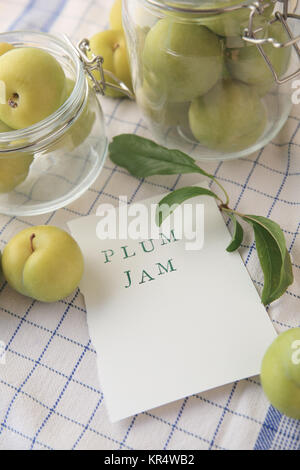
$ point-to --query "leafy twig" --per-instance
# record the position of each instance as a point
(143, 158)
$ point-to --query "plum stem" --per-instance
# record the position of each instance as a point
(13, 101)
(214, 179)
(225, 208)
(115, 47)
(31, 242)
(222, 188)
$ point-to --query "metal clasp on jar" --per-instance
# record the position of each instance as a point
(250, 36)
(95, 63)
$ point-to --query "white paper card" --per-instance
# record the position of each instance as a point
(198, 326)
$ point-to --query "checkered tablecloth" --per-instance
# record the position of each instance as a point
(50, 397)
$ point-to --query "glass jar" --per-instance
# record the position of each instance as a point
(50, 164)
(211, 76)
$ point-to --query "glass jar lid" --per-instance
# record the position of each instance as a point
(193, 6)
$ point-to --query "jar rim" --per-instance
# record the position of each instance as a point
(40, 130)
(180, 7)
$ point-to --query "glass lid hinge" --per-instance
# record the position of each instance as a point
(250, 36)
(92, 63)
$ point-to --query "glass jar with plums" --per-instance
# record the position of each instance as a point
(213, 77)
(47, 160)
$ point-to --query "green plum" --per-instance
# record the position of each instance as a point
(111, 45)
(247, 64)
(35, 86)
(43, 262)
(14, 166)
(182, 61)
(160, 112)
(4, 127)
(229, 118)
(280, 373)
(115, 17)
(5, 47)
(14, 169)
(231, 23)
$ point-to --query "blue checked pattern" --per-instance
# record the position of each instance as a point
(50, 397)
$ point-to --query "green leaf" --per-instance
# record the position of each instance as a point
(174, 199)
(238, 235)
(143, 157)
(274, 257)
